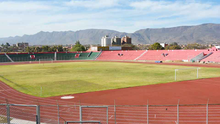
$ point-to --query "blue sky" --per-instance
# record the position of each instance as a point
(21, 17)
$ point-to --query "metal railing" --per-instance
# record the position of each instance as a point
(109, 114)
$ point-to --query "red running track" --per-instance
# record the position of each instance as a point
(188, 92)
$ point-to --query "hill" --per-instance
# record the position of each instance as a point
(204, 34)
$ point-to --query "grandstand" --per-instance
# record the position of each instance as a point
(209, 55)
(21, 57)
(215, 57)
(3, 58)
(120, 55)
(173, 55)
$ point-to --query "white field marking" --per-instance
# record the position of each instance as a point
(67, 97)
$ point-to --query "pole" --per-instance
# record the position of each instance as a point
(41, 89)
(38, 113)
(107, 114)
(175, 74)
(207, 112)
(80, 113)
(115, 112)
(58, 112)
(178, 112)
(147, 112)
(197, 72)
(8, 112)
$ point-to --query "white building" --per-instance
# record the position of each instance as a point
(163, 44)
(217, 47)
(105, 41)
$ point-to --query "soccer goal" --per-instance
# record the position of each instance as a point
(45, 61)
(187, 71)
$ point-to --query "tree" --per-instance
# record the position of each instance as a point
(7, 44)
(37, 49)
(60, 48)
(196, 46)
(45, 48)
(156, 46)
(78, 47)
(173, 46)
(53, 49)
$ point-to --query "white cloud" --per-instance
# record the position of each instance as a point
(92, 3)
(23, 6)
(18, 18)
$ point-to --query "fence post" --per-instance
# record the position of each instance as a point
(80, 111)
(115, 112)
(147, 112)
(178, 112)
(8, 112)
(207, 112)
(107, 114)
(38, 113)
(58, 112)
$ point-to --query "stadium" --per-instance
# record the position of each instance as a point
(111, 87)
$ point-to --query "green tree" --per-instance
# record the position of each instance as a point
(173, 46)
(7, 44)
(37, 49)
(53, 49)
(156, 46)
(45, 48)
(196, 46)
(60, 48)
(78, 47)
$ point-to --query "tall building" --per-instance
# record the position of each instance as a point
(105, 41)
(116, 41)
(22, 45)
(125, 40)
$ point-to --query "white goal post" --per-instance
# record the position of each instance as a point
(45, 60)
(197, 71)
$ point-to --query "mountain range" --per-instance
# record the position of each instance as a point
(203, 34)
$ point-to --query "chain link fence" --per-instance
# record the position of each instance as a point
(110, 114)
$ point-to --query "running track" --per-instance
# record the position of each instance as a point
(188, 92)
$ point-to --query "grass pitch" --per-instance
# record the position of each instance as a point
(78, 77)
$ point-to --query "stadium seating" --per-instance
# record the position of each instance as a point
(120, 55)
(20, 57)
(162, 55)
(3, 58)
(154, 55)
(215, 57)
(77, 56)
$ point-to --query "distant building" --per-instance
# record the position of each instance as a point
(23, 45)
(164, 44)
(217, 47)
(105, 41)
(125, 40)
(116, 41)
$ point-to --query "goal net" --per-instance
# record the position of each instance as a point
(186, 73)
(45, 61)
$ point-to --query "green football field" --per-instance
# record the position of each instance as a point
(55, 79)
